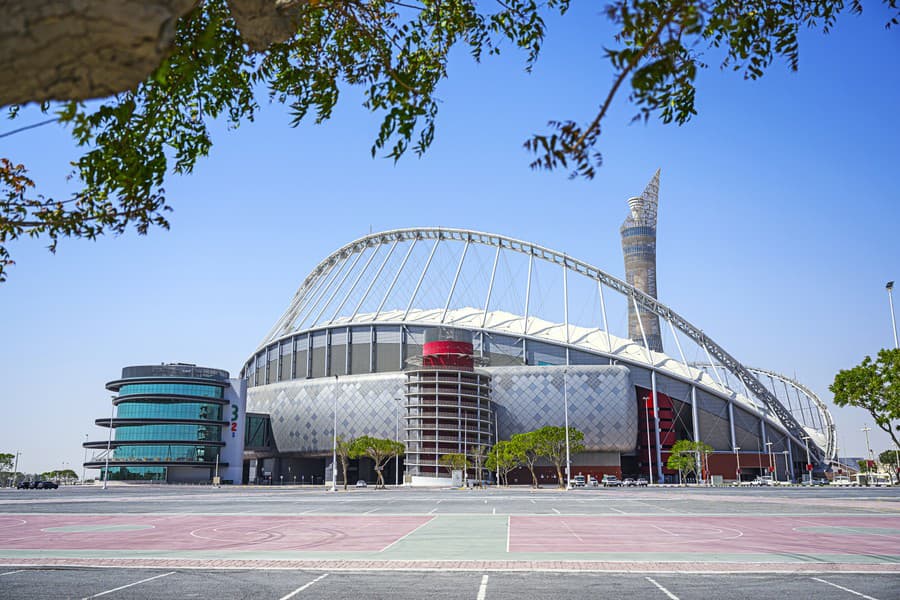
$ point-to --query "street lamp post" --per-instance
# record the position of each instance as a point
(808, 468)
(566, 409)
(16, 469)
(890, 289)
(112, 414)
(737, 455)
(83, 468)
(397, 437)
(866, 429)
(771, 460)
(649, 449)
(334, 440)
(787, 468)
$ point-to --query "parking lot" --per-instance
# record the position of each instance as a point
(182, 541)
(405, 585)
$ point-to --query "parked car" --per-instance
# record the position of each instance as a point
(579, 481)
(763, 480)
(23, 485)
(641, 482)
(45, 485)
(592, 481)
(611, 481)
(361, 483)
(629, 482)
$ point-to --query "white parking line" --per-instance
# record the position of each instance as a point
(303, 587)
(12, 572)
(617, 510)
(556, 511)
(482, 590)
(662, 589)
(131, 585)
(840, 587)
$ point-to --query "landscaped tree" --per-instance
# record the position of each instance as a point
(344, 450)
(502, 459)
(478, 455)
(454, 462)
(551, 444)
(873, 386)
(168, 68)
(6, 461)
(890, 459)
(683, 457)
(380, 450)
(525, 446)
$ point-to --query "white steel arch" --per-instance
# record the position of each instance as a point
(310, 292)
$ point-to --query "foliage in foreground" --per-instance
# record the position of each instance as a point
(874, 386)
(397, 52)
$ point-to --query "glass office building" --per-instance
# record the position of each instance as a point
(168, 424)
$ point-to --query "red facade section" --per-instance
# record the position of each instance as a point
(448, 354)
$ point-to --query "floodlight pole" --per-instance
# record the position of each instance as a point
(787, 470)
(737, 455)
(566, 409)
(769, 453)
(890, 290)
(334, 440)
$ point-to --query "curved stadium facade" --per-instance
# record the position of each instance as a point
(352, 350)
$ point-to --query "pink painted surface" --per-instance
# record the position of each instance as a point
(707, 535)
(205, 532)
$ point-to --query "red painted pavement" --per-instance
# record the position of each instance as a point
(707, 535)
(205, 532)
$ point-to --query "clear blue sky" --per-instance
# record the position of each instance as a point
(778, 221)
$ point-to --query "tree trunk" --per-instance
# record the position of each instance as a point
(380, 483)
(534, 481)
(81, 49)
(344, 465)
(559, 475)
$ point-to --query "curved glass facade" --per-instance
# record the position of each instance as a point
(200, 411)
(191, 447)
(176, 389)
(190, 433)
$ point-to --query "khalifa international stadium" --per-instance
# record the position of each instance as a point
(451, 339)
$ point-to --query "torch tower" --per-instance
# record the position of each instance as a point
(639, 247)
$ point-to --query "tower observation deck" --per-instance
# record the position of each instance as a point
(639, 248)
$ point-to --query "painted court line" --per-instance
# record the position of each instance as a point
(617, 510)
(663, 530)
(662, 589)
(12, 572)
(556, 511)
(131, 585)
(403, 537)
(482, 590)
(840, 587)
(303, 587)
(508, 529)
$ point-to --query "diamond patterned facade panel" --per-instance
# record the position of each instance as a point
(601, 404)
(302, 410)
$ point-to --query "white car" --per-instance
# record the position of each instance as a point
(361, 483)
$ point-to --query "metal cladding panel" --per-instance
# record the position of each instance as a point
(302, 411)
(601, 403)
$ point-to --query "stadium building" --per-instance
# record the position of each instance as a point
(451, 339)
